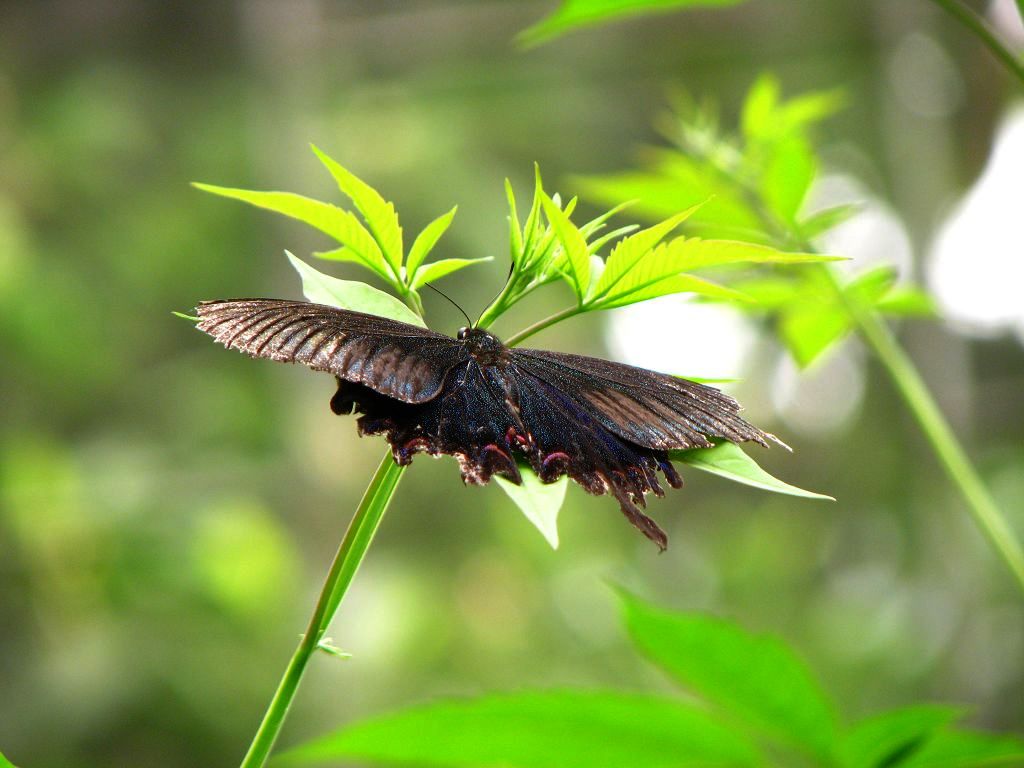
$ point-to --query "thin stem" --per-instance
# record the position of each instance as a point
(346, 562)
(938, 432)
(542, 324)
(976, 25)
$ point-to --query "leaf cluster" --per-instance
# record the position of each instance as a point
(756, 182)
(375, 242)
(751, 702)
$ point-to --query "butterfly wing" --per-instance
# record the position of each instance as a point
(394, 359)
(644, 407)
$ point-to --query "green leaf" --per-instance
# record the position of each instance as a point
(829, 218)
(379, 214)
(515, 236)
(438, 269)
(5, 763)
(671, 285)
(907, 301)
(630, 250)
(183, 316)
(676, 183)
(572, 14)
(755, 678)
(550, 729)
(967, 749)
(809, 328)
(758, 118)
(690, 253)
(349, 294)
(876, 741)
(540, 502)
(425, 242)
(787, 176)
(340, 224)
(728, 460)
(574, 246)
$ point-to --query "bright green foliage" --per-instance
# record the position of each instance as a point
(758, 182)
(755, 678)
(572, 14)
(540, 502)
(553, 729)
(5, 763)
(877, 740)
(375, 245)
(757, 704)
(729, 461)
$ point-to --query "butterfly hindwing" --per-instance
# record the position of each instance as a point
(398, 360)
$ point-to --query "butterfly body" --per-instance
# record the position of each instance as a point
(608, 426)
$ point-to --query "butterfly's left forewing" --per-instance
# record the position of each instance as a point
(397, 360)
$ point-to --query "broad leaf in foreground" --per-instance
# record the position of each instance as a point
(730, 461)
(350, 294)
(539, 502)
(571, 729)
(881, 739)
(754, 678)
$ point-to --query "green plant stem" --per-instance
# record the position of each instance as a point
(937, 430)
(540, 325)
(976, 25)
(350, 555)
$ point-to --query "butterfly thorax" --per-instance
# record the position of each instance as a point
(484, 347)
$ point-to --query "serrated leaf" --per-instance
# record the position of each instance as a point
(630, 250)
(340, 224)
(671, 285)
(690, 253)
(731, 462)
(435, 270)
(379, 214)
(594, 246)
(829, 218)
(350, 294)
(881, 739)
(572, 14)
(426, 240)
(755, 678)
(574, 246)
(533, 229)
(539, 502)
(967, 749)
(549, 729)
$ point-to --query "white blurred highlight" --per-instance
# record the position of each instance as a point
(821, 400)
(976, 267)
(680, 337)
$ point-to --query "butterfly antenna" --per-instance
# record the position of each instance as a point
(450, 301)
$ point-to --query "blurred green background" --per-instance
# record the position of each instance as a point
(168, 509)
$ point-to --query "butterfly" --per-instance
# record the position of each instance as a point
(606, 425)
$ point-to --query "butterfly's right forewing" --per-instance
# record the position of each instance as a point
(395, 359)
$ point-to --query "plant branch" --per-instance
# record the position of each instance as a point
(937, 430)
(350, 555)
(977, 26)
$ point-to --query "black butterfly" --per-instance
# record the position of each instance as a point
(608, 426)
